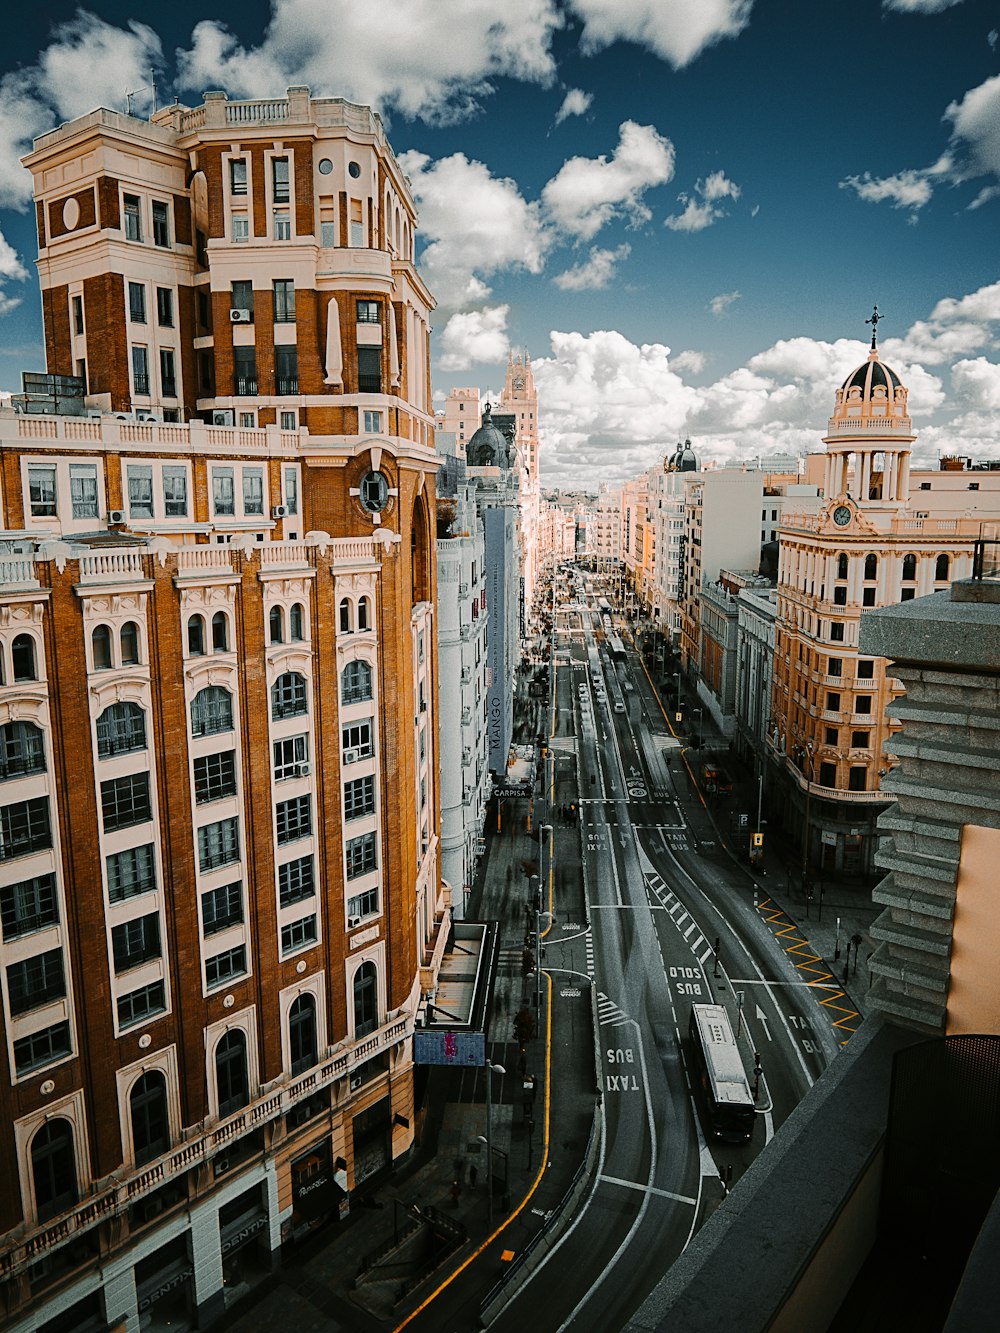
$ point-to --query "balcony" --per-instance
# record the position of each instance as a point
(286, 384)
(140, 385)
(245, 386)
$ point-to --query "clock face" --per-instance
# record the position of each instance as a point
(519, 382)
(842, 516)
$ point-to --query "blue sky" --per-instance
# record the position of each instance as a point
(684, 210)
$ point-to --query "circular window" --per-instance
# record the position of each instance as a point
(374, 492)
(325, 166)
(354, 169)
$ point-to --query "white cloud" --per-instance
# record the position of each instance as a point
(919, 6)
(721, 303)
(575, 103)
(677, 31)
(907, 189)
(473, 225)
(595, 272)
(955, 328)
(984, 196)
(690, 360)
(587, 193)
(430, 61)
(976, 385)
(701, 213)
(976, 125)
(474, 336)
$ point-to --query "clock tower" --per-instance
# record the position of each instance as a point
(520, 400)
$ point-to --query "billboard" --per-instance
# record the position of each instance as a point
(432, 1046)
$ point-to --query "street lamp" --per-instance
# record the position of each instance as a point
(701, 717)
(807, 753)
(677, 678)
(543, 830)
(491, 1069)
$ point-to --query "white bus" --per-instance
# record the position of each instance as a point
(729, 1104)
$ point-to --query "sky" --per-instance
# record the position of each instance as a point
(682, 210)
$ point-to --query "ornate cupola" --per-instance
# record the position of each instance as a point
(870, 434)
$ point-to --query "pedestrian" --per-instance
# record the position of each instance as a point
(473, 1175)
(456, 1193)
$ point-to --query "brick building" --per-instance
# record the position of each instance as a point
(220, 892)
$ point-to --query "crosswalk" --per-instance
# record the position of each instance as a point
(608, 1013)
(681, 917)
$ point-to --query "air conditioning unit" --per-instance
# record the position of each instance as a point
(124, 416)
(239, 316)
(116, 515)
(356, 1082)
(305, 770)
(351, 756)
(280, 511)
(353, 922)
(223, 417)
(147, 417)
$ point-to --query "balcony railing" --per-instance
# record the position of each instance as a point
(140, 384)
(286, 384)
(245, 386)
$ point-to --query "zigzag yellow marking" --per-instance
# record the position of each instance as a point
(772, 913)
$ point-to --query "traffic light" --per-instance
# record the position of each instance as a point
(678, 717)
(758, 840)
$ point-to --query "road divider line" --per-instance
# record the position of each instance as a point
(648, 1189)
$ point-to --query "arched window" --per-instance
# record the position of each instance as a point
(288, 696)
(150, 1121)
(130, 643)
(302, 1034)
(53, 1168)
(21, 750)
(364, 614)
(211, 711)
(365, 1000)
(842, 565)
(276, 622)
(196, 636)
(22, 653)
(909, 568)
(420, 588)
(346, 616)
(100, 642)
(355, 683)
(231, 1077)
(220, 632)
(941, 568)
(121, 728)
(296, 623)
(871, 566)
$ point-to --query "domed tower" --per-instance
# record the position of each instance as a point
(488, 446)
(870, 435)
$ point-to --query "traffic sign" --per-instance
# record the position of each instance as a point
(758, 840)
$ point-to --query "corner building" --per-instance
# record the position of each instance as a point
(220, 892)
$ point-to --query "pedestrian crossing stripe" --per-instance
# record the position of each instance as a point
(699, 946)
(609, 1013)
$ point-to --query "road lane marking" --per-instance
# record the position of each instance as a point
(648, 1189)
(815, 972)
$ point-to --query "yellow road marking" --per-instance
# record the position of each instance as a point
(815, 971)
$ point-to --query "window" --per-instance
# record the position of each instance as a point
(837, 631)
(840, 596)
(857, 778)
(218, 844)
(374, 492)
(141, 1003)
(293, 819)
(42, 490)
(244, 371)
(148, 1115)
(168, 373)
(909, 568)
(831, 735)
(223, 492)
(284, 301)
(941, 566)
(165, 307)
(175, 491)
(357, 226)
(140, 371)
(863, 703)
(356, 683)
(53, 1168)
(286, 369)
(211, 711)
(289, 420)
(35, 981)
(24, 827)
(41, 1048)
(206, 372)
(296, 619)
(241, 229)
(241, 296)
(295, 881)
(346, 616)
(368, 312)
(842, 565)
(135, 942)
(327, 235)
(832, 702)
(125, 801)
(131, 873)
(359, 797)
(360, 855)
(237, 175)
(282, 224)
(362, 905)
(161, 223)
(221, 908)
(302, 1038)
(298, 934)
(372, 422)
(907, 594)
(248, 420)
(140, 490)
(225, 966)
(279, 180)
(365, 1000)
(871, 566)
(866, 670)
(77, 304)
(83, 489)
(196, 636)
(288, 696)
(357, 739)
(129, 640)
(868, 597)
(835, 666)
(28, 906)
(292, 490)
(121, 728)
(369, 370)
(860, 739)
(214, 776)
(289, 756)
(21, 750)
(253, 490)
(231, 1075)
(828, 775)
(133, 218)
